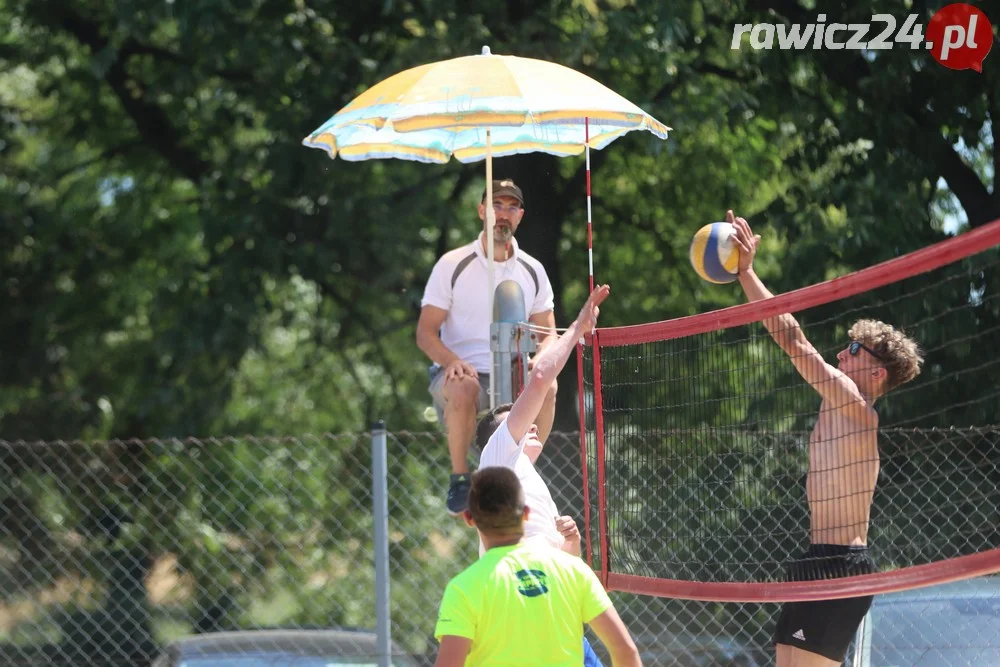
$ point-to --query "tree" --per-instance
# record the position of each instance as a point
(179, 198)
(173, 262)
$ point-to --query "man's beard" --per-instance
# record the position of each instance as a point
(502, 233)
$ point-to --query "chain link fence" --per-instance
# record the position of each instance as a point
(110, 550)
(729, 505)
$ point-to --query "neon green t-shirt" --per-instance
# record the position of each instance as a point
(523, 605)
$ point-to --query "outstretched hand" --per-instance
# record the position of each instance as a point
(548, 365)
(745, 240)
(587, 319)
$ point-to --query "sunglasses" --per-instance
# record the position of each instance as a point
(857, 346)
(510, 209)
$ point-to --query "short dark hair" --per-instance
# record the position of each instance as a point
(496, 500)
(490, 423)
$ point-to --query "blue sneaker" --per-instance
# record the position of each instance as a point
(458, 493)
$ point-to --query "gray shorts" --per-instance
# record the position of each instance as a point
(437, 392)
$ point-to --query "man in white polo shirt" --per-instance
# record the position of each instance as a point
(454, 329)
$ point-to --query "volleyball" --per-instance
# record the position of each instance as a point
(714, 256)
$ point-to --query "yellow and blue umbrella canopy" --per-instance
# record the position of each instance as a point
(433, 112)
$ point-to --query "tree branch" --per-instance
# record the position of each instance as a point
(962, 179)
(620, 216)
(355, 314)
(668, 89)
(152, 123)
(464, 176)
(133, 47)
(353, 372)
(721, 72)
(104, 155)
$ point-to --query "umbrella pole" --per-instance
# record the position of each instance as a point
(590, 226)
(490, 222)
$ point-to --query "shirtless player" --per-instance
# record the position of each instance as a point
(843, 465)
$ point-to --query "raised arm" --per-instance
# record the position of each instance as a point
(828, 381)
(549, 363)
(548, 321)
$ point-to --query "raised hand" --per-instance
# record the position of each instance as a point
(745, 240)
(587, 319)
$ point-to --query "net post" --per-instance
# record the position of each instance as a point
(501, 334)
(490, 223)
(380, 517)
(507, 341)
(583, 450)
(602, 507)
(590, 226)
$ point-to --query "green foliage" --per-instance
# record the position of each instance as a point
(174, 263)
(174, 259)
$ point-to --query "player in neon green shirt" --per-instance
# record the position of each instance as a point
(522, 603)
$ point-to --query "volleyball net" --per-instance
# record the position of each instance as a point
(696, 437)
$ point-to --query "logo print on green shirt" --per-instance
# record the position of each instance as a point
(532, 583)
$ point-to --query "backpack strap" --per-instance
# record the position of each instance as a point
(461, 267)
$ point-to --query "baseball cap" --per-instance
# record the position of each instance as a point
(506, 187)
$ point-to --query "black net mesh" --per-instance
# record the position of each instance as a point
(707, 437)
(593, 547)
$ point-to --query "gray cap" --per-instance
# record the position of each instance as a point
(506, 187)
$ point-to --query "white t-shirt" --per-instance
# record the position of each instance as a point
(466, 329)
(502, 451)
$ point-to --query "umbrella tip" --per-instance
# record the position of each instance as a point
(486, 51)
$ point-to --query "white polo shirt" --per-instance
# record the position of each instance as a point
(466, 329)
(502, 451)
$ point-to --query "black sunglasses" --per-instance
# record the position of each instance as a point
(857, 346)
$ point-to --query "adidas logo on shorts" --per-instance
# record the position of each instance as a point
(801, 636)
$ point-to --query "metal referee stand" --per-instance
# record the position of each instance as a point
(511, 341)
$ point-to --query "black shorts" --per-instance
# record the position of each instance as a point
(825, 627)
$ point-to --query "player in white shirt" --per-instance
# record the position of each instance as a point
(511, 436)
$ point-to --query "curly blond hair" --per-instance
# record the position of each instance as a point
(900, 354)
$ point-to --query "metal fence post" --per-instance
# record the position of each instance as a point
(380, 517)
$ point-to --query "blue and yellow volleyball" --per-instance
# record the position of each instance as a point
(714, 256)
